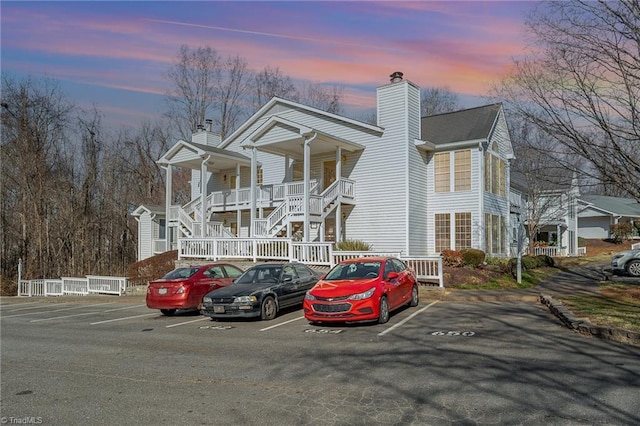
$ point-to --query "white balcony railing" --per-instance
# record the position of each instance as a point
(426, 268)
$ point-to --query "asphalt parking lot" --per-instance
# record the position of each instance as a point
(109, 360)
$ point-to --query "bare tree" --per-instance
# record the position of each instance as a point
(232, 87)
(67, 186)
(268, 83)
(34, 161)
(580, 85)
(547, 182)
(438, 100)
(326, 98)
(195, 80)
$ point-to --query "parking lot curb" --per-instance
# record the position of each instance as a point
(584, 327)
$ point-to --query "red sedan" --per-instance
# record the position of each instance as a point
(184, 288)
(365, 289)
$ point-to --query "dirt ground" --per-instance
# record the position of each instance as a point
(454, 277)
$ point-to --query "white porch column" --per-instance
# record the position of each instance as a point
(168, 196)
(287, 171)
(254, 177)
(307, 189)
(238, 211)
(203, 195)
(338, 225)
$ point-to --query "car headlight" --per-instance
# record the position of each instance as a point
(617, 256)
(309, 296)
(360, 296)
(206, 300)
(245, 299)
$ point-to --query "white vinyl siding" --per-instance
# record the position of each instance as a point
(145, 236)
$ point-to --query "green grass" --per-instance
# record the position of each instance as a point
(616, 307)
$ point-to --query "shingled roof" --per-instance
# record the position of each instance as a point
(465, 125)
(616, 205)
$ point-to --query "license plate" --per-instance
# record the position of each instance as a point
(162, 291)
(218, 309)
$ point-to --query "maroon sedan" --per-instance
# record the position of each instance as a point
(184, 288)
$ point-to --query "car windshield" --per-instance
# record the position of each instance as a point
(180, 273)
(260, 274)
(354, 271)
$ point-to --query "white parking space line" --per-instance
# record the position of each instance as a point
(39, 305)
(55, 310)
(64, 316)
(188, 322)
(282, 323)
(86, 313)
(407, 319)
(10, 305)
(126, 307)
(122, 319)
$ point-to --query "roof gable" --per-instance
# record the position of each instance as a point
(465, 125)
(619, 206)
(278, 105)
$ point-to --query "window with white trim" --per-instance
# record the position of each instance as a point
(443, 231)
(442, 166)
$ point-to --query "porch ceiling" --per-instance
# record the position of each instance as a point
(284, 137)
(190, 155)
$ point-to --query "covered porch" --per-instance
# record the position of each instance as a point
(297, 206)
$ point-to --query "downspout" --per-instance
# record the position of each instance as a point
(481, 219)
(168, 189)
(307, 189)
(254, 171)
(203, 195)
(338, 210)
(238, 211)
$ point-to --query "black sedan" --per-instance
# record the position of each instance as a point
(261, 291)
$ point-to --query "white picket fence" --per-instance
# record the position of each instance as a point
(635, 246)
(91, 284)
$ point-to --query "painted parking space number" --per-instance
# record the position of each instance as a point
(453, 333)
(322, 331)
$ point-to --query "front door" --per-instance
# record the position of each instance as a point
(328, 173)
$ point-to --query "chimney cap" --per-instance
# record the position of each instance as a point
(396, 76)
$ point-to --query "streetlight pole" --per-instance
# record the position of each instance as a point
(519, 257)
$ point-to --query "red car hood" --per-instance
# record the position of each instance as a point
(342, 287)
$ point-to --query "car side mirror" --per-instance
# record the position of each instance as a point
(392, 275)
(287, 279)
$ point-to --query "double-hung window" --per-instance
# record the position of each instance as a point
(452, 171)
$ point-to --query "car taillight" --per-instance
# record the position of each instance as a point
(180, 290)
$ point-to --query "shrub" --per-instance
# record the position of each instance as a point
(352, 245)
(452, 258)
(582, 242)
(529, 262)
(621, 231)
(544, 260)
(472, 257)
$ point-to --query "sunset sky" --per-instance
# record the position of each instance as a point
(115, 54)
